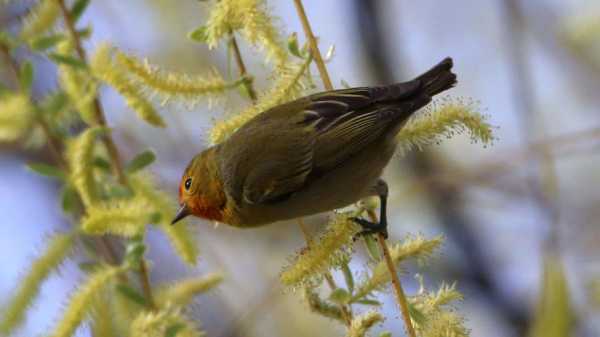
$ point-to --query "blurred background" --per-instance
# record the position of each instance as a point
(534, 68)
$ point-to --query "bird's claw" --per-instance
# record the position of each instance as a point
(370, 228)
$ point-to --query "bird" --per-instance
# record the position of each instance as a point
(315, 154)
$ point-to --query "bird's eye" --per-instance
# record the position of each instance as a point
(188, 184)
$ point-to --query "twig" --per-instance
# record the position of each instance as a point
(314, 47)
(346, 310)
(111, 148)
(242, 67)
(328, 86)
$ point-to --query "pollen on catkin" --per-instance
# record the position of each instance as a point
(444, 119)
(168, 321)
(362, 323)
(105, 68)
(286, 88)
(172, 85)
(57, 250)
(179, 236)
(436, 314)
(181, 293)
(322, 307)
(412, 247)
(80, 155)
(329, 250)
(16, 116)
(40, 18)
(81, 88)
(123, 217)
(254, 21)
(81, 302)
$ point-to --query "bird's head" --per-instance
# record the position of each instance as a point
(200, 190)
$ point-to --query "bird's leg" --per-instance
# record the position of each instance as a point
(381, 188)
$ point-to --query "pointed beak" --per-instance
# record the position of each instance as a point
(181, 213)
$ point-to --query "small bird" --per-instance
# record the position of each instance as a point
(311, 155)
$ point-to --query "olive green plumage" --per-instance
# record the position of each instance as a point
(314, 154)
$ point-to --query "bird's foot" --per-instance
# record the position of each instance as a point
(371, 227)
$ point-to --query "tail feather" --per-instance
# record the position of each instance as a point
(438, 79)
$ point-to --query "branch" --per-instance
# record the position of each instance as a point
(383, 245)
(111, 148)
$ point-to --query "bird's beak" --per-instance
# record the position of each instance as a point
(181, 213)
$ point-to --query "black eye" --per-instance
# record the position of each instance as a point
(188, 184)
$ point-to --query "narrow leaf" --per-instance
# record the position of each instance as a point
(26, 76)
(46, 42)
(67, 60)
(47, 171)
(140, 161)
(131, 294)
(198, 34)
(78, 9)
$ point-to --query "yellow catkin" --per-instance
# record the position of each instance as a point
(57, 250)
(81, 301)
(329, 250)
(159, 323)
(321, 307)
(360, 324)
(182, 293)
(285, 89)
(103, 66)
(437, 317)
(16, 116)
(103, 321)
(126, 217)
(444, 120)
(40, 19)
(416, 247)
(80, 154)
(255, 22)
(172, 84)
(80, 87)
(179, 236)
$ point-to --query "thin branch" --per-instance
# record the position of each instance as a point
(314, 47)
(111, 148)
(382, 243)
(242, 67)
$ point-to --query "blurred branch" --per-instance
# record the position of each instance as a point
(111, 148)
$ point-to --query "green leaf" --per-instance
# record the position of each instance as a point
(372, 248)
(54, 102)
(85, 32)
(118, 191)
(26, 76)
(198, 34)
(101, 163)
(78, 9)
(173, 329)
(140, 161)
(47, 171)
(293, 47)
(131, 294)
(340, 296)
(385, 334)
(368, 301)
(67, 60)
(348, 277)
(69, 199)
(46, 42)
(134, 251)
(7, 40)
(89, 266)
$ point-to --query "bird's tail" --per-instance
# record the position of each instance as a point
(438, 79)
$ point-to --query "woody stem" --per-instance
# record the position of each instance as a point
(382, 243)
(109, 143)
